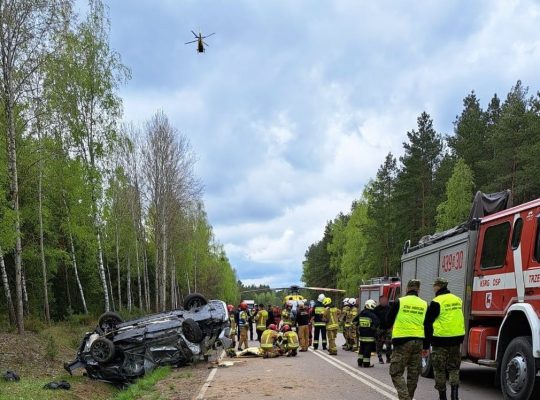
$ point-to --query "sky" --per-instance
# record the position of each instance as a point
(296, 103)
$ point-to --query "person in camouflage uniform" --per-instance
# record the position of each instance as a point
(445, 330)
(384, 333)
(407, 316)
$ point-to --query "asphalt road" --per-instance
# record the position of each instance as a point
(317, 375)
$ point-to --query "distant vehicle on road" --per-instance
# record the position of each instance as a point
(118, 351)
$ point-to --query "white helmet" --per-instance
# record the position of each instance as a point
(346, 301)
(370, 304)
(352, 301)
(321, 297)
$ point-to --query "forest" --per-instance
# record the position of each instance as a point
(97, 213)
(431, 187)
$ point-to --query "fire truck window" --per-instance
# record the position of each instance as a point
(516, 235)
(495, 245)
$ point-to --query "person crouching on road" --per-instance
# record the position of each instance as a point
(260, 321)
(302, 319)
(367, 322)
(407, 317)
(243, 322)
(331, 316)
(290, 341)
(445, 330)
(232, 323)
(268, 342)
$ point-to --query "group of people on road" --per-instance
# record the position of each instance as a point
(405, 331)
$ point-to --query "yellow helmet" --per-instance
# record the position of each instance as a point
(327, 301)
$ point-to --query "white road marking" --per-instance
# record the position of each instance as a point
(356, 376)
(209, 380)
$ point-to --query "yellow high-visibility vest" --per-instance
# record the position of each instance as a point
(450, 321)
(410, 318)
(261, 318)
(292, 340)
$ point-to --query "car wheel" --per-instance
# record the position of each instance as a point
(194, 300)
(518, 370)
(427, 367)
(102, 350)
(108, 321)
(192, 331)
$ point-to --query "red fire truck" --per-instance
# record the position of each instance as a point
(493, 263)
(375, 287)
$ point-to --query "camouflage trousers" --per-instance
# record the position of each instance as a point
(384, 337)
(446, 359)
(406, 356)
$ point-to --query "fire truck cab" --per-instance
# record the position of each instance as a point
(493, 264)
(376, 287)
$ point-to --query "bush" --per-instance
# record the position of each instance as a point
(51, 350)
(33, 324)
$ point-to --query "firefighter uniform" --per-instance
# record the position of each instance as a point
(367, 322)
(331, 315)
(353, 338)
(286, 317)
(290, 343)
(319, 326)
(343, 324)
(302, 319)
(243, 318)
(407, 317)
(260, 321)
(232, 336)
(268, 340)
(445, 330)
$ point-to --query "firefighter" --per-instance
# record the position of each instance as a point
(302, 319)
(367, 322)
(384, 335)
(290, 341)
(407, 317)
(286, 317)
(345, 309)
(268, 342)
(251, 315)
(445, 330)
(243, 321)
(232, 322)
(260, 321)
(353, 337)
(270, 319)
(319, 325)
(331, 316)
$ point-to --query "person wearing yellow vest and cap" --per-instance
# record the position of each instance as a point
(331, 316)
(318, 323)
(260, 321)
(445, 330)
(268, 342)
(407, 317)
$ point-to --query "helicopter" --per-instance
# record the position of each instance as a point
(199, 39)
(294, 296)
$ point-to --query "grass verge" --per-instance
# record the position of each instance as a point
(144, 386)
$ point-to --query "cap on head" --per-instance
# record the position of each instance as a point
(441, 282)
(414, 284)
(321, 297)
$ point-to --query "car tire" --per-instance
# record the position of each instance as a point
(102, 350)
(194, 300)
(108, 321)
(427, 367)
(192, 331)
(518, 373)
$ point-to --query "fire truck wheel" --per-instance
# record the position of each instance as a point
(517, 369)
(427, 367)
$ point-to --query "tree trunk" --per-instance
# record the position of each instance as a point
(110, 286)
(7, 291)
(25, 294)
(118, 263)
(41, 241)
(139, 289)
(128, 288)
(74, 259)
(101, 268)
(146, 278)
(14, 186)
(156, 274)
(67, 289)
(164, 268)
(173, 278)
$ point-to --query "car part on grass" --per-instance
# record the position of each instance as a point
(57, 385)
(120, 351)
(11, 376)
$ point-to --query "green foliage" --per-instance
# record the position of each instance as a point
(144, 386)
(51, 350)
(459, 194)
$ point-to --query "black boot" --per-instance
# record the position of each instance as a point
(442, 394)
(454, 394)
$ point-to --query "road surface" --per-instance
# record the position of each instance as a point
(317, 375)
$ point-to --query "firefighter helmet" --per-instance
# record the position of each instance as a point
(352, 301)
(327, 301)
(321, 297)
(243, 306)
(370, 304)
(230, 307)
(273, 327)
(286, 328)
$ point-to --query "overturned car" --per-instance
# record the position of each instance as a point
(119, 352)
